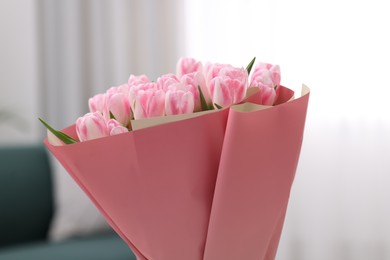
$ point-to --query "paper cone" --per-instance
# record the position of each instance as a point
(211, 186)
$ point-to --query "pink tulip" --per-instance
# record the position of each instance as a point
(96, 103)
(119, 105)
(267, 96)
(149, 103)
(115, 128)
(141, 87)
(267, 78)
(166, 80)
(91, 126)
(212, 70)
(266, 74)
(123, 88)
(193, 81)
(187, 65)
(137, 80)
(229, 87)
(112, 90)
(179, 102)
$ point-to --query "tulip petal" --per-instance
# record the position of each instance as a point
(91, 126)
(149, 103)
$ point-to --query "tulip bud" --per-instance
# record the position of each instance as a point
(149, 103)
(267, 78)
(91, 126)
(194, 81)
(165, 81)
(135, 89)
(179, 102)
(187, 65)
(96, 103)
(114, 127)
(123, 88)
(118, 104)
(229, 87)
(137, 80)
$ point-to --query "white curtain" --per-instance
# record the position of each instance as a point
(88, 46)
(18, 72)
(85, 47)
(339, 207)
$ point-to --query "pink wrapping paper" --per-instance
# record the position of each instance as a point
(212, 186)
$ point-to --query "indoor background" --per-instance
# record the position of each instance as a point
(54, 55)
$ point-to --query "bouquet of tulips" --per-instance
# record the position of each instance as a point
(196, 165)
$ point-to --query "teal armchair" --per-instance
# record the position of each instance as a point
(26, 211)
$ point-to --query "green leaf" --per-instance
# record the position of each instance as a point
(218, 106)
(62, 136)
(203, 102)
(112, 116)
(250, 65)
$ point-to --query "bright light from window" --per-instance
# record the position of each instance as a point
(340, 49)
